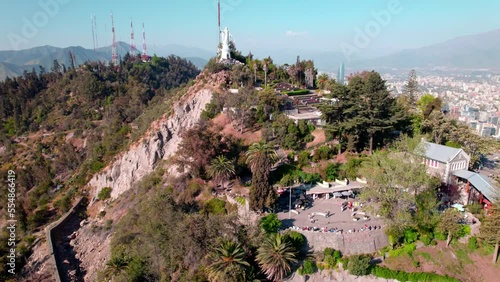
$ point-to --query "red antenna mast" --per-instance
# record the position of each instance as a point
(114, 56)
(144, 56)
(132, 44)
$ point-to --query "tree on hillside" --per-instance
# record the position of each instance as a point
(376, 109)
(334, 111)
(199, 146)
(395, 179)
(411, 88)
(241, 76)
(490, 229)
(449, 223)
(240, 104)
(221, 169)
(275, 256)
(228, 263)
(260, 157)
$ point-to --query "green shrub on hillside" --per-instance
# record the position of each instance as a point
(386, 273)
(359, 265)
(472, 243)
(215, 206)
(309, 267)
(410, 236)
(426, 239)
(270, 223)
(104, 194)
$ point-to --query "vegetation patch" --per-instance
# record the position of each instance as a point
(387, 273)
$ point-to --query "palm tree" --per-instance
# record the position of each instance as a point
(228, 263)
(260, 157)
(275, 257)
(322, 80)
(116, 265)
(221, 169)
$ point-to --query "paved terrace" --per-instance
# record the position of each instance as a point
(357, 242)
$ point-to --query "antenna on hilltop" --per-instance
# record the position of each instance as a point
(218, 21)
(94, 31)
(132, 44)
(114, 56)
(144, 57)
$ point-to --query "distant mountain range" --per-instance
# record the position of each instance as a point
(13, 63)
(478, 51)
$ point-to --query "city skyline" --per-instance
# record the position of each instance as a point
(258, 26)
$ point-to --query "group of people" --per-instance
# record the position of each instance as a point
(365, 228)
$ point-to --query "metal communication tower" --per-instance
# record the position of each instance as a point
(114, 55)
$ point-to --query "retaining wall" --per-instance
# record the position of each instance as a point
(52, 229)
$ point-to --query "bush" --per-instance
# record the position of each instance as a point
(241, 200)
(475, 208)
(309, 267)
(406, 249)
(472, 244)
(426, 239)
(359, 265)
(104, 194)
(296, 92)
(464, 230)
(410, 236)
(386, 273)
(297, 239)
(332, 171)
(303, 159)
(215, 206)
(270, 223)
(439, 236)
(322, 153)
(332, 257)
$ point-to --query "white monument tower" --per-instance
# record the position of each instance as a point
(224, 52)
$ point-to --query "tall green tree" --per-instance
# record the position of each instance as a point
(411, 88)
(378, 114)
(221, 169)
(260, 157)
(490, 229)
(449, 223)
(334, 112)
(275, 256)
(228, 263)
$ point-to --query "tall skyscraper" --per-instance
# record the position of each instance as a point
(341, 74)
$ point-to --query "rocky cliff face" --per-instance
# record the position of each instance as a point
(160, 143)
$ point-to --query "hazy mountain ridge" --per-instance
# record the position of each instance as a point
(477, 51)
(14, 62)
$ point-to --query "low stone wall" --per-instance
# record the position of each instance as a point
(348, 243)
(49, 234)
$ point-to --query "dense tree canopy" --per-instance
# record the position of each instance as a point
(364, 109)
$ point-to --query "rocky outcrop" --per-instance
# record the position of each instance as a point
(160, 143)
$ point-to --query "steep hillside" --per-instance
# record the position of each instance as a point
(59, 128)
(127, 170)
(160, 142)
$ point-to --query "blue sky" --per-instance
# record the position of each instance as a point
(265, 25)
